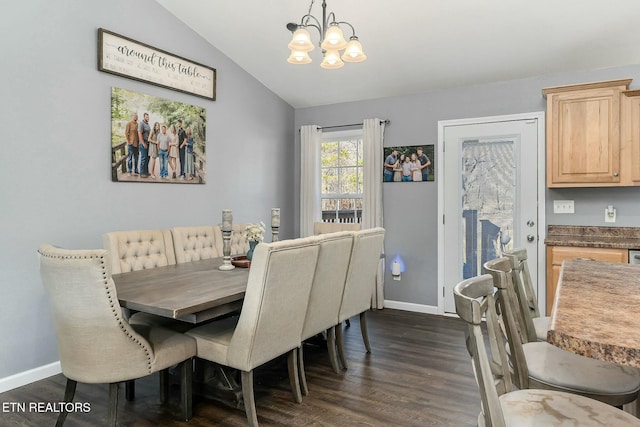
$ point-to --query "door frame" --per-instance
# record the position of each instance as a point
(541, 186)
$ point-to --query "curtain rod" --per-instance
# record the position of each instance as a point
(386, 122)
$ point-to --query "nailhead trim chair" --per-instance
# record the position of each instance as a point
(270, 323)
(542, 365)
(502, 404)
(95, 342)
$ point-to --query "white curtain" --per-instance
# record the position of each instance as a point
(372, 215)
(310, 207)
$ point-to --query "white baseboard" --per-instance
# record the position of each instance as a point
(408, 306)
(30, 376)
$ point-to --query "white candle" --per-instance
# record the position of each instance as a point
(275, 217)
(227, 219)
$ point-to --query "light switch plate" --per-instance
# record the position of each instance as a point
(609, 215)
(563, 206)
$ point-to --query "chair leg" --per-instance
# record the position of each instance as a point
(249, 399)
(347, 323)
(303, 377)
(69, 392)
(340, 345)
(363, 329)
(113, 404)
(130, 390)
(187, 389)
(294, 380)
(331, 346)
(164, 385)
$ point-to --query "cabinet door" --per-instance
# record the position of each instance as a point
(557, 254)
(631, 133)
(584, 137)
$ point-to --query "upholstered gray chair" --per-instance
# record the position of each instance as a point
(272, 316)
(196, 243)
(502, 404)
(361, 280)
(536, 326)
(139, 249)
(96, 343)
(326, 294)
(542, 365)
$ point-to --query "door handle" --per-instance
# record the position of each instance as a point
(531, 238)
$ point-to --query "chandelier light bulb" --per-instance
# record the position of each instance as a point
(301, 41)
(299, 57)
(332, 60)
(334, 38)
(353, 52)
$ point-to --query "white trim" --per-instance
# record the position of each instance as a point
(542, 228)
(408, 306)
(30, 376)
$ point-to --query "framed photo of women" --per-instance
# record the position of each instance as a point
(408, 163)
(156, 140)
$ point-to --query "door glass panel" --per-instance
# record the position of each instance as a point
(488, 201)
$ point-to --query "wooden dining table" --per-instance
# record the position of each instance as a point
(191, 292)
(596, 311)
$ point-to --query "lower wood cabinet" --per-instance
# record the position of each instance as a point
(557, 254)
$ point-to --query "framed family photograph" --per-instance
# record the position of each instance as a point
(409, 163)
(156, 140)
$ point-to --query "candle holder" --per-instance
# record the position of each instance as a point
(275, 224)
(274, 233)
(226, 251)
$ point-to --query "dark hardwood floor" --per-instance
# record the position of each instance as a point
(418, 374)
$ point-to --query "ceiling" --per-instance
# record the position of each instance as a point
(418, 45)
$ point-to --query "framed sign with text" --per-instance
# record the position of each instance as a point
(125, 57)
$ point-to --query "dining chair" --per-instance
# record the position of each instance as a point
(196, 243)
(272, 316)
(139, 249)
(539, 364)
(536, 326)
(239, 243)
(360, 283)
(321, 227)
(326, 295)
(502, 404)
(95, 342)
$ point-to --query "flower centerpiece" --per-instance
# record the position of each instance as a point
(254, 233)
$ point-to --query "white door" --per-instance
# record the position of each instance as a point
(489, 191)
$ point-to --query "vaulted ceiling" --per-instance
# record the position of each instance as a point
(418, 45)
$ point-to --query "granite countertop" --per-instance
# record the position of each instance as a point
(596, 311)
(594, 237)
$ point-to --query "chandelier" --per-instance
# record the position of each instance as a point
(335, 48)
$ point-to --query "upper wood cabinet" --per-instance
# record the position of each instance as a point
(584, 142)
(631, 133)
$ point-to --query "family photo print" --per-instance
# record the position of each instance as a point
(408, 164)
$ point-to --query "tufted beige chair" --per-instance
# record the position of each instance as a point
(359, 286)
(239, 242)
(139, 249)
(326, 294)
(539, 364)
(272, 316)
(96, 344)
(196, 243)
(332, 227)
(502, 404)
(535, 325)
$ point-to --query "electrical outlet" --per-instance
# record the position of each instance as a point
(609, 214)
(563, 206)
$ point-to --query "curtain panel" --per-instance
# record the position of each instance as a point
(310, 176)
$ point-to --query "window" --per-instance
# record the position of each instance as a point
(342, 176)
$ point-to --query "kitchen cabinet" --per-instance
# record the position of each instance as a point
(631, 133)
(584, 143)
(557, 254)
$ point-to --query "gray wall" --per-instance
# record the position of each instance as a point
(55, 173)
(410, 210)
